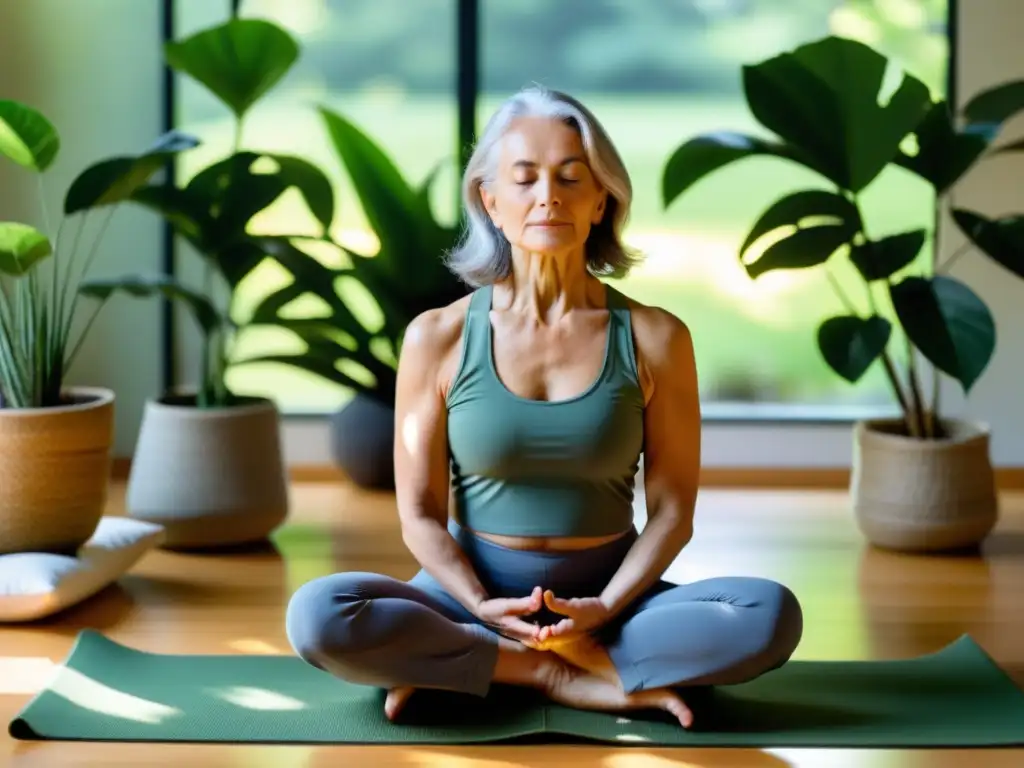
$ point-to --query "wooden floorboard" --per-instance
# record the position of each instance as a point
(859, 603)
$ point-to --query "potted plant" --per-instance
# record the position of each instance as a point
(921, 481)
(209, 464)
(406, 276)
(55, 438)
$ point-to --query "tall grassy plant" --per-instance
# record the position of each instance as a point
(823, 102)
(42, 272)
(239, 62)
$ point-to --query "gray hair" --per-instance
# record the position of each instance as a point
(483, 255)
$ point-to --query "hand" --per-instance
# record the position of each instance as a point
(584, 614)
(503, 614)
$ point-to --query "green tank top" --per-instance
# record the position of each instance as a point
(524, 467)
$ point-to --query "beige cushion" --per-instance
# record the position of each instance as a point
(37, 584)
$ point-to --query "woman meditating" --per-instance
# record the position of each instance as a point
(524, 409)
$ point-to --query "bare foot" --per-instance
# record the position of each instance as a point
(586, 690)
(588, 654)
(395, 701)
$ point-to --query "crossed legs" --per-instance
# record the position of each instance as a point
(375, 630)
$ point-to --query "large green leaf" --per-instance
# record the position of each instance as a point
(948, 323)
(988, 110)
(142, 286)
(26, 136)
(312, 184)
(704, 154)
(881, 259)
(822, 207)
(943, 154)
(809, 247)
(824, 98)
(1002, 239)
(21, 247)
(850, 344)
(821, 222)
(116, 179)
(394, 210)
(237, 61)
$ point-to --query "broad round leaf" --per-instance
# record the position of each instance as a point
(804, 248)
(948, 323)
(988, 110)
(850, 344)
(238, 61)
(21, 246)
(116, 179)
(26, 136)
(702, 155)
(943, 153)
(1002, 240)
(141, 287)
(823, 98)
(881, 259)
(826, 208)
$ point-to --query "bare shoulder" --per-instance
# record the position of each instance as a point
(432, 341)
(664, 344)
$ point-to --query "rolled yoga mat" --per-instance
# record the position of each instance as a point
(104, 691)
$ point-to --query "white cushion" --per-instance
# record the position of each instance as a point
(38, 584)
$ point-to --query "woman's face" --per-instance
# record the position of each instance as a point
(543, 197)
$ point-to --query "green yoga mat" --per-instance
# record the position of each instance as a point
(107, 692)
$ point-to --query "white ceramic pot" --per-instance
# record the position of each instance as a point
(923, 495)
(55, 472)
(212, 477)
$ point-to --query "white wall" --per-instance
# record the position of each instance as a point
(94, 69)
(68, 59)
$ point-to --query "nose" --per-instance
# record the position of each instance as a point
(547, 192)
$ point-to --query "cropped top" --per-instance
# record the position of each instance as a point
(560, 468)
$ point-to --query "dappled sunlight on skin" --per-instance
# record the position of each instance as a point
(411, 434)
(25, 675)
(258, 698)
(255, 647)
(95, 696)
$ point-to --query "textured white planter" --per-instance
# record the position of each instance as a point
(55, 472)
(923, 495)
(213, 477)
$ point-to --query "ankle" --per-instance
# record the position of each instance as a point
(526, 667)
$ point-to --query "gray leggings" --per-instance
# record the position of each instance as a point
(376, 630)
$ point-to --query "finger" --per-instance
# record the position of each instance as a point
(521, 630)
(564, 627)
(557, 604)
(521, 605)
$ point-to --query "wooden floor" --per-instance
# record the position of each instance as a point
(859, 603)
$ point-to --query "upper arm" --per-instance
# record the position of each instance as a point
(672, 417)
(426, 362)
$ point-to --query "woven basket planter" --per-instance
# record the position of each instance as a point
(55, 472)
(923, 495)
(212, 477)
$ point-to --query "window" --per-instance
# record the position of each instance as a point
(655, 72)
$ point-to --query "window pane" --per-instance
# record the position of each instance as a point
(657, 72)
(389, 66)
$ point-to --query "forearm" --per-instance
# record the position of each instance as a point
(658, 545)
(438, 553)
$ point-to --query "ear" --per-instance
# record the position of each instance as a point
(600, 208)
(490, 205)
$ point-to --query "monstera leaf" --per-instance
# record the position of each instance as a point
(1002, 239)
(818, 222)
(823, 98)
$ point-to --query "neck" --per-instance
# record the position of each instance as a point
(548, 286)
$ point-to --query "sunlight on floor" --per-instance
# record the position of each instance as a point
(644, 760)
(255, 647)
(25, 675)
(95, 696)
(258, 698)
